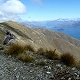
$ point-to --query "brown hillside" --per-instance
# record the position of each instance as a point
(42, 38)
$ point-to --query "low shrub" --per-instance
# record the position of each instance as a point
(78, 65)
(25, 57)
(29, 48)
(41, 51)
(15, 49)
(51, 54)
(68, 59)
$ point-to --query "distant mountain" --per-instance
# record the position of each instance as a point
(76, 24)
(54, 23)
(69, 27)
(44, 38)
(35, 24)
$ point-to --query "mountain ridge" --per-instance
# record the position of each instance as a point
(44, 38)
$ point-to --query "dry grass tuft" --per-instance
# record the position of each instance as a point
(41, 51)
(68, 59)
(25, 57)
(20, 51)
(52, 54)
(15, 49)
(29, 48)
(78, 65)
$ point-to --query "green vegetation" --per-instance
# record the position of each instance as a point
(68, 59)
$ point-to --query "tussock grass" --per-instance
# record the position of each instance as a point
(29, 48)
(52, 54)
(25, 57)
(68, 59)
(15, 49)
(20, 51)
(41, 51)
(78, 65)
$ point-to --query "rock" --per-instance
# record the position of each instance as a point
(48, 72)
(73, 68)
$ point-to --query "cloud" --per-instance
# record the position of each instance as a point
(5, 17)
(11, 9)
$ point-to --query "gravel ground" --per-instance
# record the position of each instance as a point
(41, 69)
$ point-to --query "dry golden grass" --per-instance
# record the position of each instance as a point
(29, 48)
(78, 64)
(52, 54)
(20, 51)
(2, 34)
(41, 51)
(25, 57)
(68, 59)
(15, 49)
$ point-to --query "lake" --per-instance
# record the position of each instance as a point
(74, 32)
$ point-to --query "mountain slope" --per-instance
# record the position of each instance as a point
(42, 38)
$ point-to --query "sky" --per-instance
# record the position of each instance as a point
(39, 10)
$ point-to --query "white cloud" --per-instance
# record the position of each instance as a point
(11, 9)
(4, 17)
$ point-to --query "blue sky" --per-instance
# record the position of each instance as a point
(39, 10)
(51, 9)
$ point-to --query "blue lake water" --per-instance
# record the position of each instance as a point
(74, 32)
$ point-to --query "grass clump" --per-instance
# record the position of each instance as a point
(25, 57)
(23, 53)
(68, 59)
(15, 49)
(29, 48)
(41, 51)
(51, 54)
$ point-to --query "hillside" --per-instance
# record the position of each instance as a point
(42, 67)
(42, 38)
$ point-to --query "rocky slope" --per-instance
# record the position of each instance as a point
(41, 69)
